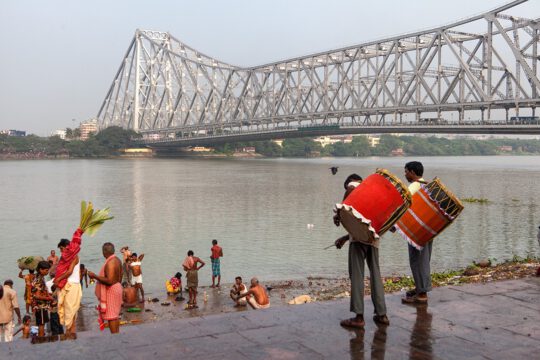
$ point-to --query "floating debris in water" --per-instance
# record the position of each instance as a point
(475, 200)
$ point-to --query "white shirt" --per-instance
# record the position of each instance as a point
(75, 277)
(416, 185)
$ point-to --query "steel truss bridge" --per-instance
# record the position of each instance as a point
(484, 67)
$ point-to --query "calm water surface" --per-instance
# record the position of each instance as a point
(257, 209)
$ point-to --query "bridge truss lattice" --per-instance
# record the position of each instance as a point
(481, 64)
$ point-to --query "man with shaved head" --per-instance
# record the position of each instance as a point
(109, 289)
(256, 296)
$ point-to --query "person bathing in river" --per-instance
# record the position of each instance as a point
(28, 279)
(256, 296)
(126, 271)
(217, 252)
(25, 327)
(174, 286)
(191, 268)
(130, 296)
(136, 273)
(109, 289)
(238, 289)
(53, 260)
(359, 254)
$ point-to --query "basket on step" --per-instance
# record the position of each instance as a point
(29, 262)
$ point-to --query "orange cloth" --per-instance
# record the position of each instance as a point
(189, 262)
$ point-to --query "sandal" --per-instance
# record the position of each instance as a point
(410, 293)
(414, 300)
(381, 319)
(353, 323)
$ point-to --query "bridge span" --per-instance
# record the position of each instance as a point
(484, 67)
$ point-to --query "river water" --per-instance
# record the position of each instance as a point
(257, 209)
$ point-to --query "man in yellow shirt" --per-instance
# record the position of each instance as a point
(418, 259)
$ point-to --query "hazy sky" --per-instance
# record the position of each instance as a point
(58, 57)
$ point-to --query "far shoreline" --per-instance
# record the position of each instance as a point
(242, 157)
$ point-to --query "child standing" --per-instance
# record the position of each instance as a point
(25, 327)
(56, 326)
(28, 279)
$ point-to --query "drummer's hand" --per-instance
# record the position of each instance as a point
(336, 220)
(392, 229)
(91, 275)
(340, 242)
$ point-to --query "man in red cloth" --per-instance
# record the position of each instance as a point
(109, 289)
(67, 280)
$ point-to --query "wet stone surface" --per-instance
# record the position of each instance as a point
(493, 321)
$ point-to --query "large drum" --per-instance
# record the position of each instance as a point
(433, 208)
(374, 206)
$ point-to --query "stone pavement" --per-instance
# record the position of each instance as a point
(500, 320)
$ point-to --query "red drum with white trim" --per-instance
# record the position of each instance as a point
(374, 206)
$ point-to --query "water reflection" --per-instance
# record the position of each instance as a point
(421, 342)
(378, 344)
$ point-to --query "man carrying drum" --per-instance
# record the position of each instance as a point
(418, 259)
(359, 254)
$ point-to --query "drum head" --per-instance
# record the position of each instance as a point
(356, 228)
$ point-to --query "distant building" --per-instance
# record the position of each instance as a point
(328, 140)
(18, 133)
(152, 136)
(87, 128)
(505, 148)
(374, 141)
(398, 152)
(248, 149)
(279, 142)
(60, 133)
(201, 149)
(137, 152)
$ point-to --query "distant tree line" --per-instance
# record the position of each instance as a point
(411, 145)
(106, 143)
(109, 141)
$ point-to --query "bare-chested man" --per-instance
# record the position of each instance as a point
(131, 296)
(109, 288)
(256, 296)
(192, 276)
(136, 273)
(53, 260)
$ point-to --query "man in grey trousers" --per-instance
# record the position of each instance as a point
(359, 254)
(419, 260)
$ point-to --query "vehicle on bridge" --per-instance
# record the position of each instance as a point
(524, 120)
(432, 121)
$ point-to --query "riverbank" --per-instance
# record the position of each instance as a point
(159, 307)
(498, 320)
